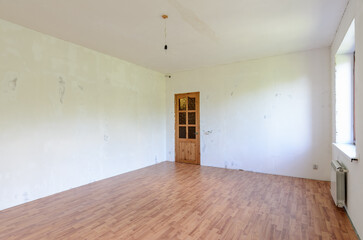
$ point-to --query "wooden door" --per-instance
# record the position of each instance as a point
(187, 137)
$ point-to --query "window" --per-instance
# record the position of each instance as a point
(353, 90)
(345, 89)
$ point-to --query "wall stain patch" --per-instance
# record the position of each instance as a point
(61, 89)
(13, 84)
(9, 82)
(208, 132)
(194, 21)
(106, 138)
(25, 197)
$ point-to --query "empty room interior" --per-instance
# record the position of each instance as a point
(171, 119)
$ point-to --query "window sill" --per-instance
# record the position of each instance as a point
(348, 149)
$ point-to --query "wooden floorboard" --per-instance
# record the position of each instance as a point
(181, 201)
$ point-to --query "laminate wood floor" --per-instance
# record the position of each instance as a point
(181, 201)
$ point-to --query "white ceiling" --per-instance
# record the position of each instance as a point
(200, 32)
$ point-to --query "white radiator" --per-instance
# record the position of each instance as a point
(338, 183)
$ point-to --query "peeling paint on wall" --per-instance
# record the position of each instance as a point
(9, 82)
(61, 89)
(270, 108)
(12, 84)
(62, 125)
(208, 132)
(106, 138)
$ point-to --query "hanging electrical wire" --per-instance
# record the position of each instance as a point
(165, 17)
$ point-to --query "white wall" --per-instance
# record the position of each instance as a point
(270, 115)
(355, 175)
(70, 116)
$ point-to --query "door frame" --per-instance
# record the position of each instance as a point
(176, 132)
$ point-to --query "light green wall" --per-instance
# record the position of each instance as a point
(70, 115)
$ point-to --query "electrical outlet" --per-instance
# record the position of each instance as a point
(315, 166)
